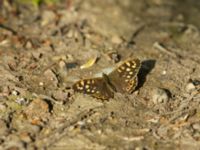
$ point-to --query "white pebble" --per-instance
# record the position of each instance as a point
(41, 84)
(14, 92)
(164, 72)
(196, 126)
(160, 96)
(190, 87)
(21, 101)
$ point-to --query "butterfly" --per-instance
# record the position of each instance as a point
(123, 79)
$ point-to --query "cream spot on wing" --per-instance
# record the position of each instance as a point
(128, 69)
(122, 67)
(87, 86)
(127, 80)
(128, 76)
(97, 92)
(82, 83)
(119, 70)
(92, 91)
(92, 81)
(132, 82)
(88, 81)
(128, 64)
(133, 65)
(88, 90)
(79, 87)
(130, 72)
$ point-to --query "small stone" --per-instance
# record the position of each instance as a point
(114, 56)
(51, 76)
(3, 107)
(25, 137)
(164, 72)
(196, 82)
(71, 65)
(14, 92)
(139, 148)
(5, 91)
(61, 95)
(160, 96)
(41, 84)
(37, 55)
(21, 101)
(69, 57)
(28, 44)
(116, 40)
(37, 111)
(62, 65)
(70, 33)
(196, 126)
(190, 87)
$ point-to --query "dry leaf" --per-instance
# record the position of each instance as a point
(89, 63)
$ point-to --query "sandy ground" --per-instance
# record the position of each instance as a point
(42, 53)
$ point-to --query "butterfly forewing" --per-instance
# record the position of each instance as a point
(124, 78)
(96, 87)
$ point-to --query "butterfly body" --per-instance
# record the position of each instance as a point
(123, 79)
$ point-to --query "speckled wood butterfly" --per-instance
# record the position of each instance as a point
(123, 79)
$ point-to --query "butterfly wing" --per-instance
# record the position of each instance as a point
(96, 87)
(124, 78)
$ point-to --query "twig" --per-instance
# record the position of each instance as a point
(9, 29)
(135, 34)
(162, 48)
(137, 31)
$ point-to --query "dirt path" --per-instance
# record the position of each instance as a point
(41, 56)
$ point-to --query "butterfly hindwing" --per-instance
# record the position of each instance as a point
(96, 87)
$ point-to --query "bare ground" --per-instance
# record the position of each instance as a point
(41, 52)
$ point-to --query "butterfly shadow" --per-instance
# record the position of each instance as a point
(145, 69)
